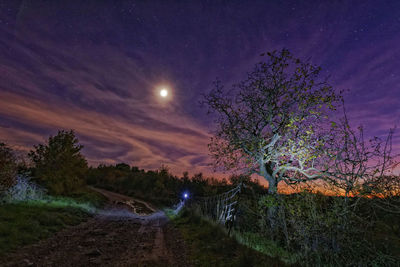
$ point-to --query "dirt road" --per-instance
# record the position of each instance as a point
(117, 236)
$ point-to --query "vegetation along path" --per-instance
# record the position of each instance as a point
(127, 233)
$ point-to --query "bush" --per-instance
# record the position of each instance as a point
(8, 168)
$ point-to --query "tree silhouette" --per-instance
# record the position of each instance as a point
(8, 167)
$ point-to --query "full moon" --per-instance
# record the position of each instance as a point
(163, 92)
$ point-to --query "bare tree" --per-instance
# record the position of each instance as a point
(272, 123)
(359, 167)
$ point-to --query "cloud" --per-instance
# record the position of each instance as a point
(96, 70)
(104, 100)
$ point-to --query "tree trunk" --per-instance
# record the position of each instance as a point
(272, 212)
(346, 196)
(272, 186)
(266, 172)
(272, 209)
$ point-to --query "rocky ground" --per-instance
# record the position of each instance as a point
(117, 236)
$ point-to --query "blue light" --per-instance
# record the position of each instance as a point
(185, 195)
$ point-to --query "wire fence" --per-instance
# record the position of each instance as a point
(234, 209)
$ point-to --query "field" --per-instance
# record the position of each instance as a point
(28, 222)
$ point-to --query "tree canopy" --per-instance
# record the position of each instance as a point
(273, 123)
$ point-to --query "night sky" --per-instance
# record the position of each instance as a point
(96, 67)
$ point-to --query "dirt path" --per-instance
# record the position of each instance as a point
(135, 205)
(115, 237)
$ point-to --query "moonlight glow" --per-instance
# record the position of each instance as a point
(164, 93)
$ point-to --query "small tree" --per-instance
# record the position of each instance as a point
(271, 123)
(8, 168)
(59, 165)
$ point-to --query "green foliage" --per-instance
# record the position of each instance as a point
(8, 168)
(58, 164)
(268, 201)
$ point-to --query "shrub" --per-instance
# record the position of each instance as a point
(323, 230)
(23, 190)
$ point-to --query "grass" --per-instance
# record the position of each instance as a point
(265, 246)
(209, 245)
(87, 196)
(170, 213)
(27, 222)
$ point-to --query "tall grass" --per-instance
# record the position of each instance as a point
(266, 246)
